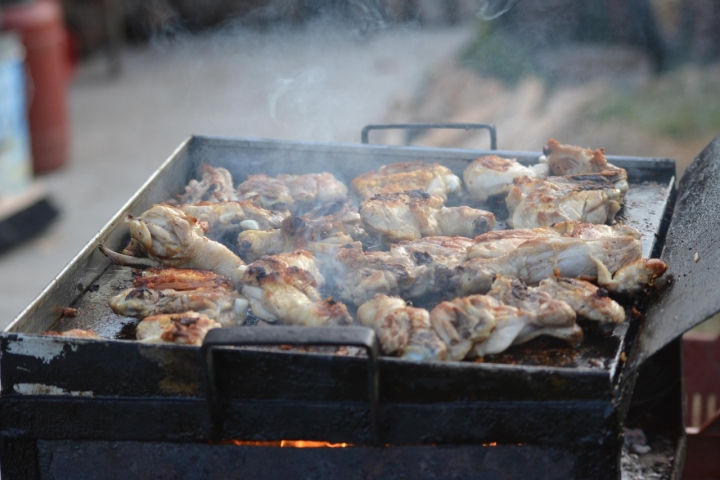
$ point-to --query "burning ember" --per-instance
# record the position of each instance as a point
(290, 444)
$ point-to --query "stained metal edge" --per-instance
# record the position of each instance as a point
(91, 246)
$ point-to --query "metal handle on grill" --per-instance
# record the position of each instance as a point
(426, 126)
(296, 336)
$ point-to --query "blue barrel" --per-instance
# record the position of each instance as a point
(15, 157)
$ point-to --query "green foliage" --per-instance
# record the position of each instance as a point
(494, 54)
(681, 105)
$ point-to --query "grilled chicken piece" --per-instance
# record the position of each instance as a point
(481, 325)
(300, 259)
(175, 239)
(415, 214)
(593, 198)
(548, 310)
(331, 224)
(498, 243)
(171, 290)
(493, 175)
(74, 333)
(402, 330)
(216, 185)
(631, 278)
(571, 160)
(281, 292)
(585, 298)
(410, 269)
(294, 191)
(434, 179)
(187, 328)
(576, 254)
(222, 217)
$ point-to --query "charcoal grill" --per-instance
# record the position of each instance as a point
(118, 409)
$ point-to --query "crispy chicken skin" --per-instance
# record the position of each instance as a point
(215, 185)
(74, 333)
(175, 239)
(493, 175)
(415, 214)
(593, 198)
(481, 325)
(584, 251)
(167, 291)
(221, 217)
(434, 179)
(187, 328)
(403, 331)
(294, 191)
(288, 294)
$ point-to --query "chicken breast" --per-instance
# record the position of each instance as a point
(223, 217)
(592, 198)
(403, 331)
(433, 179)
(584, 251)
(293, 191)
(493, 175)
(415, 214)
(188, 328)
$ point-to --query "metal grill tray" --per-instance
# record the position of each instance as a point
(551, 383)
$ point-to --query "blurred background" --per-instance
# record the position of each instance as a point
(95, 94)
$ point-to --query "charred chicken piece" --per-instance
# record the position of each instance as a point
(215, 185)
(548, 310)
(433, 179)
(632, 278)
(585, 251)
(493, 175)
(410, 269)
(571, 160)
(415, 214)
(331, 224)
(221, 217)
(585, 298)
(593, 198)
(175, 239)
(187, 328)
(288, 294)
(294, 191)
(403, 331)
(74, 333)
(178, 290)
(481, 325)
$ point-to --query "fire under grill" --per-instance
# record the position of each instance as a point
(320, 402)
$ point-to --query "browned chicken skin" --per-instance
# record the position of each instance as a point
(433, 179)
(187, 328)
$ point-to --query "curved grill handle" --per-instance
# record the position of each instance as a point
(426, 126)
(296, 336)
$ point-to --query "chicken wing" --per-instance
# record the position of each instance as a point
(481, 325)
(173, 238)
(402, 330)
(187, 328)
(176, 291)
(415, 214)
(434, 179)
(493, 175)
(215, 185)
(571, 160)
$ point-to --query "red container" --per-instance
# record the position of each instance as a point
(702, 388)
(41, 29)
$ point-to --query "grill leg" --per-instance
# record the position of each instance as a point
(19, 459)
